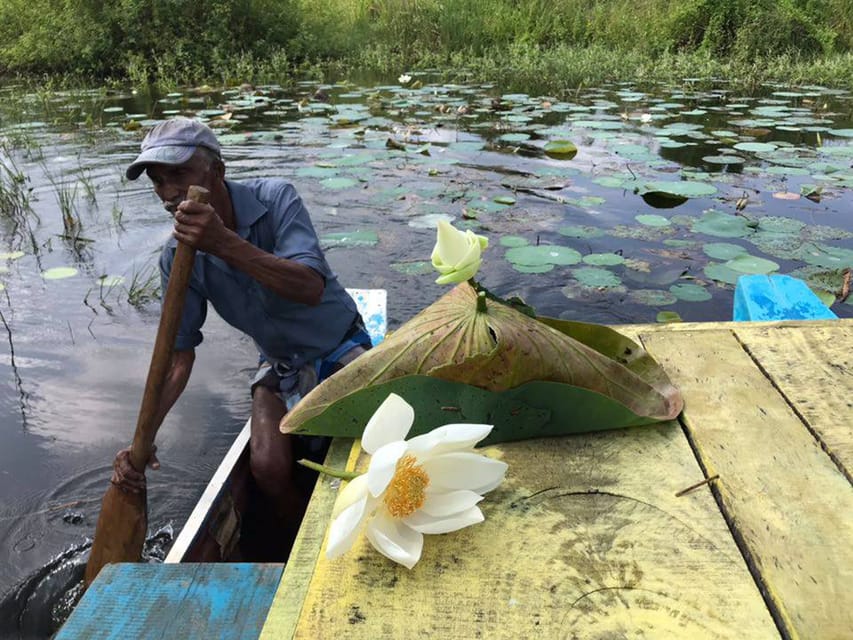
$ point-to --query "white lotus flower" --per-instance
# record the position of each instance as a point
(404, 78)
(429, 484)
(457, 254)
(646, 118)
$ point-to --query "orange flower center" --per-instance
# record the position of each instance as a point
(406, 492)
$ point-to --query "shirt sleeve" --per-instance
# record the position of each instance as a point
(195, 306)
(295, 238)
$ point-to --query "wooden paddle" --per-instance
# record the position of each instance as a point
(123, 521)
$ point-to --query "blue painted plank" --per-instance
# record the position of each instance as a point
(777, 297)
(147, 601)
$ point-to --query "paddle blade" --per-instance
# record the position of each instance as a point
(120, 533)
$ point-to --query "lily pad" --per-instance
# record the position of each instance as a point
(690, 292)
(651, 220)
(755, 147)
(450, 354)
(58, 273)
(596, 278)
(507, 200)
(723, 159)
(668, 316)
(679, 189)
(722, 225)
(723, 250)
(513, 241)
(722, 273)
(533, 256)
(751, 264)
(12, 255)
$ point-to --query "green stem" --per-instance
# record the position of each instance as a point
(481, 302)
(329, 471)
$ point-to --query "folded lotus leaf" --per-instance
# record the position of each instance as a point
(493, 346)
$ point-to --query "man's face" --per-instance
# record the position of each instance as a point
(172, 182)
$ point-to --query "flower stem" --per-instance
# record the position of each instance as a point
(481, 302)
(329, 471)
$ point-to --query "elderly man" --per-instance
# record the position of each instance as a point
(260, 265)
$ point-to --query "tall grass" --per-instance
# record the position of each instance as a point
(182, 42)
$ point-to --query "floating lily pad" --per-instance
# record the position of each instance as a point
(723, 250)
(755, 147)
(651, 220)
(534, 256)
(680, 189)
(842, 133)
(560, 149)
(722, 273)
(665, 317)
(822, 255)
(58, 273)
(723, 159)
(12, 255)
(690, 292)
(507, 200)
(351, 238)
(513, 241)
(722, 225)
(751, 264)
(603, 259)
(596, 278)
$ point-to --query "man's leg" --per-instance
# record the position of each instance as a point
(272, 456)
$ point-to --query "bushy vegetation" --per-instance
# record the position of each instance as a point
(181, 41)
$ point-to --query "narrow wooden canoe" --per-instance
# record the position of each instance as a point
(219, 520)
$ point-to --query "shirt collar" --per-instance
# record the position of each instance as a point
(246, 207)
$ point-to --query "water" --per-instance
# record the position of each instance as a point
(75, 351)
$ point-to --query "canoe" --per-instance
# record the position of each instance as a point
(226, 511)
(216, 524)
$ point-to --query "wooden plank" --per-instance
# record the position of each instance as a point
(790, 505)
(584, 539)
(148, 601)
(814, 370)
(290, 595)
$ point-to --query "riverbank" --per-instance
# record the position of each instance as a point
(529, 45)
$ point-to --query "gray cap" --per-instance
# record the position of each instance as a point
(172, 142)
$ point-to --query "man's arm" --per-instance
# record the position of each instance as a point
(124, 475)
(199, 226)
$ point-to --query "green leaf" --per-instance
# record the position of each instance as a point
(539, 363)
(561, 149)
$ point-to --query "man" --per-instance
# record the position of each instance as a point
(260, 265)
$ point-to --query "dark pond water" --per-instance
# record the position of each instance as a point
(672, 192)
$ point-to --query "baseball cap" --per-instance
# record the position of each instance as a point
(172, 142)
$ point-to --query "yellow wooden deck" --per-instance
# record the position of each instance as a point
(588, 539)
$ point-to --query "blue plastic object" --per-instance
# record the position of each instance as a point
(777, 297)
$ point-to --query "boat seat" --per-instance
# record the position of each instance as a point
(777, 297)
(152, 600)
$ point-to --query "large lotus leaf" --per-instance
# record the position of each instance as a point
(498, 350)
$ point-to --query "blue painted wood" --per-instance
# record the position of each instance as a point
(148, 601)
(777, 297)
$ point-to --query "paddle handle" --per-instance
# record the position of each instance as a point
(164, 345)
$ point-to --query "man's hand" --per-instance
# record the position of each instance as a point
(198, 226)
(125, 477)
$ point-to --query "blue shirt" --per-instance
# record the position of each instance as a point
(269, 214)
